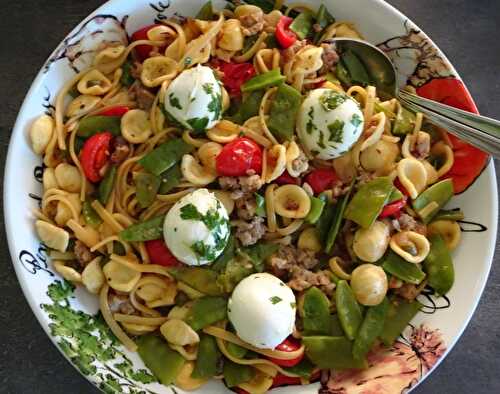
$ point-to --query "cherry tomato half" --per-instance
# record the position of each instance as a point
(119, 110)
(283, 380)
(321, 179)
(95, 154)
(159, 253)
(286, 179)
(143, 51)
(393, 209)
(284, 35)
(235, 75)
(288, 345)
(239, 156)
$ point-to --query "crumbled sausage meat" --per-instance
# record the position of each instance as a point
(252, 23)
(119, 150)
(82, 253)
(288, 54)
(241, 186)
(246, 207)
(300, 164)
(330, 58)
(120, 304)
(407, 222)
(289, 256)
(303, 279)
(250, 232)
(141, 95)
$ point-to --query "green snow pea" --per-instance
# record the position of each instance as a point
(170, 179)
(127, 79)
(431, 200)
(249, 107)
(348, 309)
(336, 329)
(400, 268)
(258, 253)
(164, 362)
(317, 206)
(106, 185)
(324, 222)
(144, 231)
(97, 124)
(449, 214)
(206, 12)
(90, 215)
(147, 186)
(396, 195)
(208, 358)
(342, 74)
(165, 156)
(227, 255)
(283, 112)
(234, 272)
(304, 369)
(235, 350)
(302, 24)
(316, 312)
(331, 353)
(261, 205)
(323, 19)
(235, 374)
(206, 311)
(369, 201)
(337, 219)
(199, 278)
(404, 122)
(355, 68)
(370, 329)
(439, 266)
(399, 314)
(264, 80)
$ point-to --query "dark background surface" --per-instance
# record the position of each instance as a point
(468, 31)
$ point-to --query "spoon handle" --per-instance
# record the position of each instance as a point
(480, 131)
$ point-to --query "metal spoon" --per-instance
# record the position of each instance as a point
(480, 131)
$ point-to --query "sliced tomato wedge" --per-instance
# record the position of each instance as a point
(469, 161)
(287, 179)
(159, 253)
(94, 155)
(143, 51)
(239, 156)
(284, 35)
(393, 209)
(119, 110)
(288, 345)
(321, 179)
(235, 75)
(283, 380)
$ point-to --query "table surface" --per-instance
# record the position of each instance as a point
(467, 31)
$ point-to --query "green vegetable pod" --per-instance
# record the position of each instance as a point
(348, 309)
(302, 24)
(338, 215)
(235, 374)
(199, 278)
(170, 179)
(165, 156)
(208, 358)
(90, 215)
(399, 315)
(371, 328)
(402, 269)
(317, 206)
(404, 122)
(144, 231)
(106, 185)
(316, 312)
(332, 353)
(206, 311)
(283, 112)
(431, 200)
(91, 125)
(439, 266)
(147, 186)
(263, 81)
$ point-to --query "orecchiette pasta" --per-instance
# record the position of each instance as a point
(52, 236)
(178, 332)
(412, 175)
(156, 291)
(135, 126)
(231, 36)
(291, 201)
(68, 273)
(296, 161)
(411, 246)
(120, 277)
(274, 163)
(49, 179)
(185, 381)
(225, 198)
(445, 153)
(195, 173)
(158, 69)
(94, 83)
(63, 213)
(41, 132)
(82, 105)
(207, 154)
(110, 58)
(68, 177)
(308, 239)
(93, 277)
(375, 130)
(371, 243)
(448, 229)
(379, 157)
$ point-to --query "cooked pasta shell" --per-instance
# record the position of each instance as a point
(179, 312)
(225, 198)
(412, 175)
(309, 240)
(195, 173)
(231, 37)
(81, 105)
(410, 245)
(41, 132)
(94, 83)
(375, 130)
(161, 33)
(272, 19)
(156, 291)
(49, 179)
(445, 153)
(309, 60)
(157, 69)
(432, 174)
(448, 229)
(260, 383)
(371, 243)
(178, 332)
(138, 329)
(185, 381)
(263, 60)
(207, 154)
(120, 277)
(274, 163)
(135, 126)
(68, 177)
(226, 101)
(294, 165)
(63, 213)
(93, 277)
(344, 167)
(291, 201)
(66, 272)
(223, 132)
(110, 58)
(379, 157)
(246, 10)
(52, 236)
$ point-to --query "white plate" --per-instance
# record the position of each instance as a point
(69, 319)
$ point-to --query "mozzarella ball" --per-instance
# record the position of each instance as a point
(196, 229)
(262, 310)
(194, 99)
(329, 123)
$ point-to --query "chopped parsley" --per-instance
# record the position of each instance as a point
(293, 305)
(204, 251)
(275, 299)
(215, 106)
(310, 126)
(336, 131)
(356, 120)
(174, 101)
(188, 61)
(321, 141)
(198, 124)
(331, 100)
(207, 87)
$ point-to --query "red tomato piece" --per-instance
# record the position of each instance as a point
(159, 253)
(241, 391)
(119, 110)
(94, 155)
(284, 35)
(321, 179)
(401, 188)
(288, 345)
(235, 75)
(238, 157)
(393, 209)
(287, 179)
(283, 380)
(143, 51)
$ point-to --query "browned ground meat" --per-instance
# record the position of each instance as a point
(120, 304)
(141, 95)
(300, 164)
(241, 186)
(330, 58)
(303, 279)
(423, 145)
(246, 207)
(408, 223)
(119, 150)
(250, 232)
(408, 291)
(289, 53)
(82, 253)
(252, 23)
(289, 256)
(135, 70)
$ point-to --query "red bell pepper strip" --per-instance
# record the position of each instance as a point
(286, 179)
(401, 188)
(393, 209)
(159, 253)
(235, 75)
(94, 155)
(283, 380)
(284, 35)
(119, 110)
(321, 179)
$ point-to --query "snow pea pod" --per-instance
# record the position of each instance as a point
(199, 278)
(264, 80)
(370, 329)
(396, 195)
(337, 219)
(165, 156)
(258, 253)
(144, 231)
(439, 266)
(90, 215)
(304, 369)
(316, 312)
(348, 309)
(106, 185)
(283, 112)
(431, 200)
(317, 206)
(336, 329)
(206, 12)
(302, 24)
(404, 122)
(236, 350)
(206, 311)
(170, 179)
(400, 268)
(235, 374)
(220, 264)
(355, 68)
(249, 107)
(260, 210)
(399, 314)
(324, 222)
(323, 19)
(127, 79)
(164, 362)
(332, 353)
(97, 124)
(449, 214)
(208, 358)
(147, 186)
(369, 201)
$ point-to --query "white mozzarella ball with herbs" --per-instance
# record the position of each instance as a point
(262, 310)
(194, 98)
(329, 123)
(196, 229)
